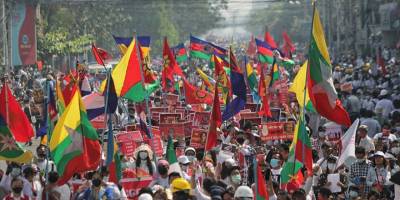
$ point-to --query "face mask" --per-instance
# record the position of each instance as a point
(395, 150)
(191, 158)
(274, 163)
(17, 190)
(236, 179)
(15, 172)
(105, 179)
(331, 166)
(96, 182)
(360, 160)
(162, 170)
(353, 194)
(143, 155)
(184, 167)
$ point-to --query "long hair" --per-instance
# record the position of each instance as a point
(148, 163)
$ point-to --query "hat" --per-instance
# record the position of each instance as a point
(243, 191)
(190, 149)
(180, 184)
(162, 162)
(145, 196)
(389, 156)
(143, 147)
(379, 153)
(383, 92)
(363, 127)
(183, 160)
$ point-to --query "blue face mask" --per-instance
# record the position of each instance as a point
(274, 163)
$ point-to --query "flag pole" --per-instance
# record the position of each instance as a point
(148, 115)
(6, 95)
(48, 136)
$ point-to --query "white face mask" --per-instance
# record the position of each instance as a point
(184, 167)
(191, 158)
(143, 155)
(105, 179)
(331, 166)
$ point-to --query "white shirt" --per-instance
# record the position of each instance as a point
(29, 187)
(390, 137)
(367, 143)
(373, 126)
(42, 165)
(65, 192)
(386, 105)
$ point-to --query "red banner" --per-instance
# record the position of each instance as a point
(277, 131)
(128, 141)
(133, 185)
(98, 122)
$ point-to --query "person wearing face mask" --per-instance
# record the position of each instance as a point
(385, 135)
(16, 190)
(96, 191)
(358, 172)
(116, 192)
(190, 152)
(234, 178)
(32, 188)
(41, 161)
(378, 175)
(276, 168)
(184, 164)
(162, 174)
(144, 166)
(13, 171)
(62, 192)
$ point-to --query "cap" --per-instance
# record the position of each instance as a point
(389, 156)
(379, 153)
(190, 149)
(180, 184)
(383, 92)
(145, 196)
(162, 162)
(183, 160)
(363, 127)
(243, 191)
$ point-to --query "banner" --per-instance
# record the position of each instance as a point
(23, 36)
(133, 185)
(98, 122)
(201, 120)
(169, 118)
(175, 129)
(198, 138)
(277, 131)
(128, 141)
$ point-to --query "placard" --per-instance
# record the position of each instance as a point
(201, 119)
(248, 115)
(252, 106)
(277, 131)
(198, 138)
(333, 131)
(171, 99)
(249, 98)
(128, 141)
(159, 109)
(98, 122)
(281, 89)
(132, 186)
(169, 118)
(176, 129)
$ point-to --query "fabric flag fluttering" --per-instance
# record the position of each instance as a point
(199, 48)
(298, 86)
(194, 95)
(270, 40)
(10, 149)
(320, 83)
(74, 142)
(238, 89)
(100, 55)
(14, 116)
(348, 146)
(127, 76)
(94, 104)
(265, 51)
(49, 113)
(288, 46)
(215, 120)
(274, 73)
(171, 157)
(170, 68)
(262, 91)
(261, 192)
(180, 53)
(115, 168)
(208, 81)
(299, 156)
(144, 46)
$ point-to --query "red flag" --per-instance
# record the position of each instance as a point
(15, 118)
(380, 61)
(270, 40)
(261, 185)
(216, 118)
(195, 95)
(252, 49)
(170, 67)
(288, 46)
(262, 91)
(100, 55)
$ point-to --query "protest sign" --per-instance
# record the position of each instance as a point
(201, 119)
(169, 118)
(171, 99)
(128, 141)
(252, 106)
(333, 131)
(277, 131)
(98, 122)
(133, 185)
(198, 138)
(282, 91)
(249, 98)
(159, 109)
(174, 129)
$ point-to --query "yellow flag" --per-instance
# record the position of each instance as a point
(299, 84)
